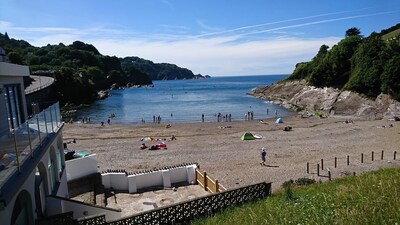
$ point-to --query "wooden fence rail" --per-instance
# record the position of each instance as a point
(209, 184)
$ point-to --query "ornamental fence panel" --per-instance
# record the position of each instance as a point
(183, 212)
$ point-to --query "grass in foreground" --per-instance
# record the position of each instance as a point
(371, 198)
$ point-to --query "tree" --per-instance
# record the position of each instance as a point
(354, 31)
(6, 36)
(367, 67)
(14, 57)
(391, 77)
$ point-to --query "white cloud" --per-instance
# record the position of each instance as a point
(232, 54)
(213, 56)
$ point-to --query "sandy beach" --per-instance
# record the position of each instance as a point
(218, 149)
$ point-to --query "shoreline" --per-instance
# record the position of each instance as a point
(217, 147)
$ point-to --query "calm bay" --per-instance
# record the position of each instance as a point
(182, 101)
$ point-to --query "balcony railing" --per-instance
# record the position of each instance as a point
(25, 141)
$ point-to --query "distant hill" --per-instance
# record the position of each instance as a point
(366, 65)
(158, 71)
(81, 70)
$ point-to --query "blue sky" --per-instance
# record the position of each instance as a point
(217, 38)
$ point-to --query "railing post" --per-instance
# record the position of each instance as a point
(29, 138)
(45, 123)
(382, 155)
(348, 160)
(372, 156)
(322, 164)
(38, 127)
(51, 119)
(394, 155)
(308, 167)
(317, 169)
(216, 186)
(55, 114)
(16, 150)
(205, 180)
(362, 157)
(335, 162)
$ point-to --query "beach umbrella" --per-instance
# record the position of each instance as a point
(148, 139)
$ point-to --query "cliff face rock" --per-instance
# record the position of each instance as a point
(297, 95)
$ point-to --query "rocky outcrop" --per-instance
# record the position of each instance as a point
(299, 96)
(102, 95)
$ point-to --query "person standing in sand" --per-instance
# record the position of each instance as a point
(263, 156)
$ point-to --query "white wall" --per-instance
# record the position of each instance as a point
(81, 167)
(165, 178)
(148, 179)
(29, 185)
(63, 188)
(178, 175)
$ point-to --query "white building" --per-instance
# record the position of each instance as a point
(32, 164)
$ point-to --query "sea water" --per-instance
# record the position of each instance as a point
(180, 101)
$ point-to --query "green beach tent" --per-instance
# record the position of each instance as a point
(247, 136)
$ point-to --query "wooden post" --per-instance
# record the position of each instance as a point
(394, 155)
(335, 162)
(362, 157)
(216, 186)
(308, 167)
(322, 164)
(317, 169)
(348, 160)
(329, 175)
(382, 155)
(205, 180)
(372, 156)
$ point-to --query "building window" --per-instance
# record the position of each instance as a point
(14, 105)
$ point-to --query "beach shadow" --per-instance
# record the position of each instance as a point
(271, 165)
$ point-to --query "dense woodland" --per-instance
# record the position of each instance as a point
(367, 65)
(81, 71)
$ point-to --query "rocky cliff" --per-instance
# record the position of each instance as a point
(298, 96)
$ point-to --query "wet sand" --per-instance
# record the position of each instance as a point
(218, 149)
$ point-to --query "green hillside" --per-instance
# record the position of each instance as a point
(81, 70)
(371, 198)
(367, 65)
(391, 35)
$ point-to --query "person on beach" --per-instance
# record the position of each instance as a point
(263, 155)
(202, 117)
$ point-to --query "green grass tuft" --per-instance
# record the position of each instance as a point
(371, 198)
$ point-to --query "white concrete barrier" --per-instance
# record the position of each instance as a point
(165, 178)
(81, 167)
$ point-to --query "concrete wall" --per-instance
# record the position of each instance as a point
(163, 178)
(11, 69)
(80, 209)
(80, 167)
(63, 189)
